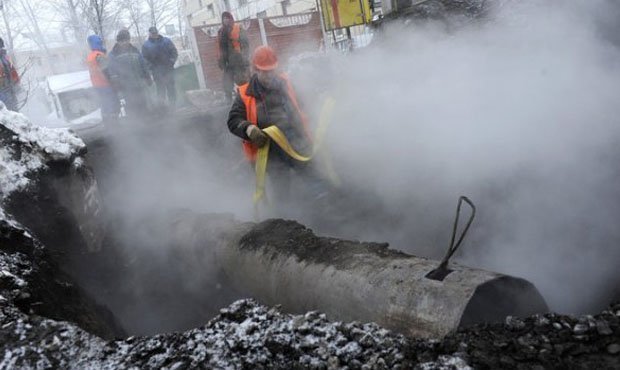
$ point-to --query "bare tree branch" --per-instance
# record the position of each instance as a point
(70, 15)
(162, 12)
(9, 43)
(35, 34)
(136, 15)
(25, 84)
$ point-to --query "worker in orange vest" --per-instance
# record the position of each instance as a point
(233, 58)
(269, 99)
(97, 62)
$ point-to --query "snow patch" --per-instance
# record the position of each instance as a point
(41, 144)
(56, 143)
(13, 172)
(445, 363)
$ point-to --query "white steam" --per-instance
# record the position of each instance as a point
(519, 111)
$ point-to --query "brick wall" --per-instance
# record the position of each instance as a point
(288, 35)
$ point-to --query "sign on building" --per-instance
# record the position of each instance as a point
(345, 13)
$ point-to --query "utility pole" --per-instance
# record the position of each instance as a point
(319, 9)
(7, 27)
(196, 52)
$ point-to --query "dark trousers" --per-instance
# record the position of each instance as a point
(110, 104)
(164, 81)
(135, 103)
(7, 95)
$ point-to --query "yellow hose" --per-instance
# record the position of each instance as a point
(277, 136)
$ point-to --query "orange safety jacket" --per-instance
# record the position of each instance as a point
(234, 36)
(250, 150)
(13, 76)
(96, 74)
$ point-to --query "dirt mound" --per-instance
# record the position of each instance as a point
(548, 341)
(247, 335)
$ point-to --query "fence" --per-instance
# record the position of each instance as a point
(287, 35)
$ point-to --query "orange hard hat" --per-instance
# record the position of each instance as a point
(265, 58)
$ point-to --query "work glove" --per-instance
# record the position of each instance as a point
(256, 135)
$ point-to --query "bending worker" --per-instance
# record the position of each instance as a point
(269, 99)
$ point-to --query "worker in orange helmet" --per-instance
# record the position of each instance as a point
(269, 99)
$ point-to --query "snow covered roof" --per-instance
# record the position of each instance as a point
(69, 81)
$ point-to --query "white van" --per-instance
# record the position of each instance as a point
(75, 105)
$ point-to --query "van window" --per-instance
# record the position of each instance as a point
(78, 103)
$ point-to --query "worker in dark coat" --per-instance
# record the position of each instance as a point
(269, 99)
(233, 54)
(161, 54)
(9, 80)
(129, 75)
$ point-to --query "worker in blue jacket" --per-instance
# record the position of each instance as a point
(161, 54)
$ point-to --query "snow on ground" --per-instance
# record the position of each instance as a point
(57, 144)
(245, 335)
(13, 172)
(40, 145)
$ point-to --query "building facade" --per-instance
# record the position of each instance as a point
(208, 12)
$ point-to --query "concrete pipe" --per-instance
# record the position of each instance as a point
(282, 262)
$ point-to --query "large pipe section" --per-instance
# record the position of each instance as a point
(282, 262)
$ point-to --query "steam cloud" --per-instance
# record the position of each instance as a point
(519, 111)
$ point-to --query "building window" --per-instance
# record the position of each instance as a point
(243, 2)
(200, 4)
(210, 11)
(262, 14)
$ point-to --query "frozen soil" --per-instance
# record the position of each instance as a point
(46, 322)
(247, 335)
(549, 341)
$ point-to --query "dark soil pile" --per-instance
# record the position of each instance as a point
(548, 341)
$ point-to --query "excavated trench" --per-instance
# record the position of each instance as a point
(168, 262)
(140, 273)
(163, 267)
(129, 263)
(156, 267)
(150, 270)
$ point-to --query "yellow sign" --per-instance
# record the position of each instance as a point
(345, 13)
